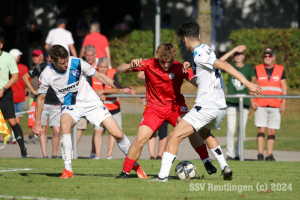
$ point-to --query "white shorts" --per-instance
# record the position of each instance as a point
(209, 118)
(53, 113)
(96, 113)
(267, 117)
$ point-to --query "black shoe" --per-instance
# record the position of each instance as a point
(260, 157)
(270, 158)
(55, 156)
(45, 157)
(24, 153)
(123, 175)
(158, 158)
(227, 173)
(237, 158)
(230, 158)
(210, 168)
(152, 158)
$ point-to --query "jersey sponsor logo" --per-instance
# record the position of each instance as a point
(69, 87)
(171, 75)
(66, 107)
(276, 78)
(184, 109)
(218, 87)
(237, 84)
(75, 73)
(262, 78)
(103, 107)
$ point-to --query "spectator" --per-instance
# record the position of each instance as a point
(166, 21)
(126, 24)
(99, 41)
(61, 36)
(83, 26)
(35, 39)
(19, 87)
(236, 87)
(10, 34)
(162, 132)
(9, 76)
(272, 79)
(111, 103)
(51, 111)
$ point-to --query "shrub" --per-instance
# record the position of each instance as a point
(128, 45)
(285, 42)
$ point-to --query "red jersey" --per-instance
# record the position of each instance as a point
(163, 87)
(99, 41)
(19, 87)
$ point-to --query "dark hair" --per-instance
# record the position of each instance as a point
(1, 39)
(165, 51)
(33, 22)
(58, 51)
(189, 29)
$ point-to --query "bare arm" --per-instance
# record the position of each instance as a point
(107, 52)
(81, 52)
(13, 79)
(284, 92)
(47, 47)
(240, 48)
(253, 88)
(107, 91)
(254, 80)
(37, 129)
(193, 82)
(141, 75)
(127, 68)
(27, 82)
(73, 50)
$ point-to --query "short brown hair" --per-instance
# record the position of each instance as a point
(1, 39)
(58, 51)
(165, 51)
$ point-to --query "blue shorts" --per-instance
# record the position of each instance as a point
(19, 108)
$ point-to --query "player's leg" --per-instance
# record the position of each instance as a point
(111, 140)
(54, 122)
(151, 146)
(67, 121)
(231, 125)
(43, 141)
(55, 140)
(98, 141)
(163, 139)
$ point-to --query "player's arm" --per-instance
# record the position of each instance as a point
(13, 79)
(253, 88)
(37, 128)
(73, 50)
(108, 81)
(127, 68)
(27, 82)
(239, 49)
(47, 47)
(141, 75)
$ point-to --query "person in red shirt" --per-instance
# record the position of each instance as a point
(19, 87)
(99, 41)
(164, 78)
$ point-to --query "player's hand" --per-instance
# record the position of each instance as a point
(136, 63)
(37, 130)
(254, 89)
(282, 107)
(35, 92)
(102, 97)
(1, 93)
(185, 66)
(253, 105)
(240, 48)
(143, 99)
(127, 90)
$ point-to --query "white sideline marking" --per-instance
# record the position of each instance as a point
(15, 170)
(40, 198)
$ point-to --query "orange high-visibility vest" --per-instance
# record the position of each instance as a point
(111, 103)
(31, 116)
(269, 87)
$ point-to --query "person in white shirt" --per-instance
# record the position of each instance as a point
(67, 76)
(61, 36)
(210, 105)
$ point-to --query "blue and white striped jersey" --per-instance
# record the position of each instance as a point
(71, 86)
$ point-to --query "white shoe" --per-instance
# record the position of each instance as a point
(109, 158)
(93, 155)
(97, 158)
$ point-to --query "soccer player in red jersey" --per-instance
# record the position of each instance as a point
(164, 78)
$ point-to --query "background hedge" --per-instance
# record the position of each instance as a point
(128, 45)
(285, 42)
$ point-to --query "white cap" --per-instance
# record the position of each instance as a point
(128, 18)
(15, 53)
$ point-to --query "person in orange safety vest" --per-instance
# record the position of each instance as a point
(271, 78)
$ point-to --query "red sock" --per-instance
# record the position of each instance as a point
(202, 151)
(128, 165)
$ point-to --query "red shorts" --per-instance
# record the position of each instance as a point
(154, 116)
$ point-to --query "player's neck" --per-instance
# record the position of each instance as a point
(194, 44)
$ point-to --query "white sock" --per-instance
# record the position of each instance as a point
(124, 144)
(218, 154)
(206, 159)
(166, 164)
(66, 150)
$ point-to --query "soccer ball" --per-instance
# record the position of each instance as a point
(185, 170)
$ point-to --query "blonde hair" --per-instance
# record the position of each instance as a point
(165, 51)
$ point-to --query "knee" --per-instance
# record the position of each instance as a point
(141, 141)
(119, 135)
(65, 128)
(173, 138)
